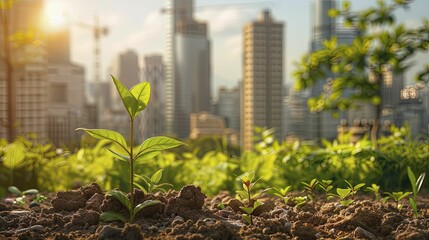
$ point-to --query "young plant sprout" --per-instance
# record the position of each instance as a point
(398, 196)
(309, 188)
(354, 189)
(246, 195)
(343, 194)
(21, 195)
(152, 183)
(374, 189)
(135, 100)
(416, 186)
(326, 186)
(282, 193)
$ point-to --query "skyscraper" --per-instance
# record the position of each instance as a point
(262, 77)
(229, 107)
(26, 94)
(188, 69)
(153, 118)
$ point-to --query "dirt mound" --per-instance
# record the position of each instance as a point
(189, 214)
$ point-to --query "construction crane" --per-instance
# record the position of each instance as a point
(98, 32)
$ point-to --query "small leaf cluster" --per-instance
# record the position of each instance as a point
(152, 183)
(20, 200)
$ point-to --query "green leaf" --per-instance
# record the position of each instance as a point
(156, 145)
(14, 156)
(420, 181)
(343, 193)
(121, 197)
(141, 187)
(413, 180)
(112, 216)
(247, 218)
(346, 202)
(256, 204)
(156, 177)
(14, 190)
(141, 93)
(107, 134)
(130, 102)
(119, 156)
(145, 204)
(414, 206)
(247, 210)
(30, 191)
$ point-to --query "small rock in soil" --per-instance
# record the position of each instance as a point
(95, 202)
(34, 204)
(69, 201)
(303, 231)
(91, 189)
(190, 196)
(35, 228)
(362, 233)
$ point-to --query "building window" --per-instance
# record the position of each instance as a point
(59, 92)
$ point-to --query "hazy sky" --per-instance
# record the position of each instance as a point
(139, 25)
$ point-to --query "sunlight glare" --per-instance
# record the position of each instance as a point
(56, 15)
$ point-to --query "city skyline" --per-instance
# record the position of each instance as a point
(146, 28)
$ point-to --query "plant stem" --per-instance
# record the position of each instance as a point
(250, 204)
(131, 164)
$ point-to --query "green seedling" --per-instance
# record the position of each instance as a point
(309, 188)
(416, 186)
(397, 197)
(248, 217)
(246, 195)
(343, 194)
(354, 189)
(113, 216)
(326, 186)
(374, 189)
(282, 193)
(248, 184)
(21, 195)
(152, 183)
(299, 200)
(135, 100)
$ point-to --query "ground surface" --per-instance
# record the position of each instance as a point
(188, 214)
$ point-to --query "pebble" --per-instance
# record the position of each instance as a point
(332, 231)
(209, 221)
(362, 233)
(19, 212)
(35, 228)
(266, 230)
(288, 226)
(9, 200)
(34, 204)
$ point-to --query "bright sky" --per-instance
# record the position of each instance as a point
(139, 25)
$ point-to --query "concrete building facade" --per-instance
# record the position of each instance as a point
(262, 77)
(188, 71)
(153, 117)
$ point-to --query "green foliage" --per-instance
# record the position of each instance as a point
(398, 196)
(113, 216)
(326, 186)
(282, 193)
(416, 186)
(152, 183)
(248, 217)
(343, 194)
(21, 195)
(310, 187)
(246, 196)
(135, 101)
(354, 189)
(360, 65)
(374, 189)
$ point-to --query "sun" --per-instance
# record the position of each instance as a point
(55, 14)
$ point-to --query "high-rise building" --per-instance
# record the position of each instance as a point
(188, 70)
(66, 102)
(228, 106)
(262, 77)
(153, 117)
(26, 96)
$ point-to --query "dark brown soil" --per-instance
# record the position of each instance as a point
(188, 214)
